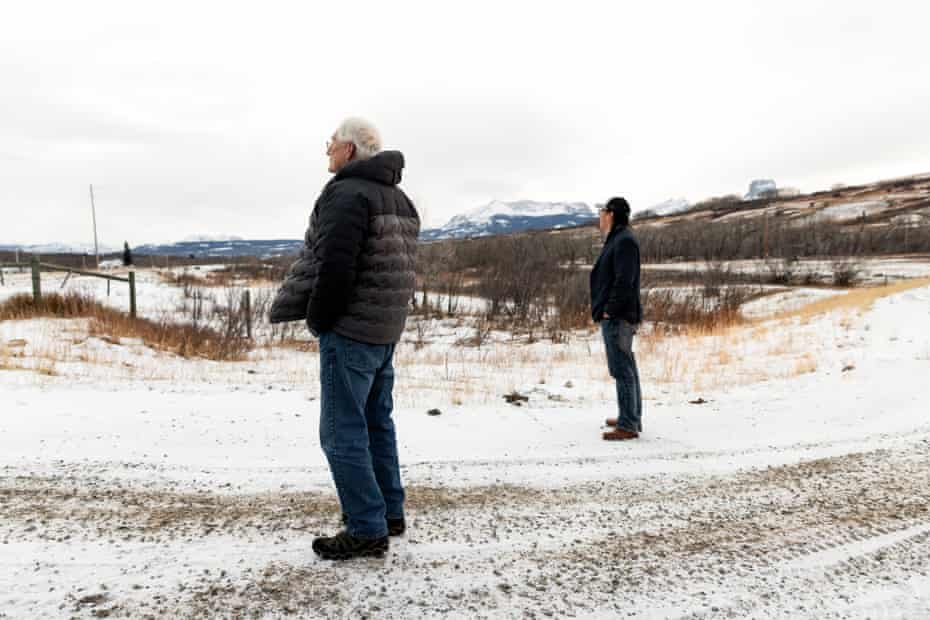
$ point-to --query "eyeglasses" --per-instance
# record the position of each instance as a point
(330, 144)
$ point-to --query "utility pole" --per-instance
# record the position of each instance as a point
(93, 212)
(765, 234)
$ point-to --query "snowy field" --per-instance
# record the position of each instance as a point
(784, 472)
(870, 270)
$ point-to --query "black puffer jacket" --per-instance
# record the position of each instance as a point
(357, 270)
(615, 279)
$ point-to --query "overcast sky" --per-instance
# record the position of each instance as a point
(211, 118)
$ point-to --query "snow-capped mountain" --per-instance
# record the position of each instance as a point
(234, 246)
(498, 217)
(669, 207)
(208, 238)
(61, 248)
(196, 248)
(761, 188)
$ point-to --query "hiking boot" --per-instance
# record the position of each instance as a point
(344, 546)
(395, 527)
(618, 434)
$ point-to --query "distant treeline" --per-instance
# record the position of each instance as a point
(754, 238)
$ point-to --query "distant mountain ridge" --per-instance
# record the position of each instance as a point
(903, 201)
(497, 218)
(197, 246)
(234, 246)
(60, 248)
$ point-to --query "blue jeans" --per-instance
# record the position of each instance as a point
(618, 341)
(357, 432)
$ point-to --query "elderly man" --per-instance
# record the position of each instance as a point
(352, 285)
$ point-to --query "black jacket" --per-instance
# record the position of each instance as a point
(357, 270)
(615, 279)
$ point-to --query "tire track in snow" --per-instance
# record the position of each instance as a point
(651, 542)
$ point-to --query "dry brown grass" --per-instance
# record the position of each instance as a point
(182, 339)
(6, 362)
(773, 337)
(804, 365)
(856, 300)
(71, 305)
(183, 279)
(703, 310)
(230, 275)
(13, 357)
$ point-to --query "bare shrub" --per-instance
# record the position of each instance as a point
(672, 309)
(571, 300)
(253, 270)
(230, 316)
(423, 331)
(845, 272)
(780, 270)
(715, 278)
(482, 332)
(810, 277)
(752, 237)
(244, 271)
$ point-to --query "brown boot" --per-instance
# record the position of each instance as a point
(610, 422)
(618, 434)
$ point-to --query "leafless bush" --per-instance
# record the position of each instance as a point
(231, 316)
(809, 277)
(672, 309)
(571, 300)
(779, 238)
(192, 303)
(254, 270)
(238, 273)
(482, 332)
(715, 277)
(845, 272)
(781, 270)
(423, 331)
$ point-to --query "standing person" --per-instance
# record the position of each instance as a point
(352, 284)
(615, 304)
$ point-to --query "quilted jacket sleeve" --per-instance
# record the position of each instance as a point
(290, 303)
(342, 228)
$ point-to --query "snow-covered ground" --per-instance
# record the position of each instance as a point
(870, 270)
(784, 473)
(849, 211)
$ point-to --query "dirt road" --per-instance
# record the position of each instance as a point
(846, 536)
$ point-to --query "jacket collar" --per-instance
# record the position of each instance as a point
(385, 167)
(613, 234)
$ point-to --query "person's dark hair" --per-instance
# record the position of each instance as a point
(621, 210)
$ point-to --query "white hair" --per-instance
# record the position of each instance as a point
(363, 134)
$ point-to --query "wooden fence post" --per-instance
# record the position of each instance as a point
(247, 306)
(132, 294)
(36, 281)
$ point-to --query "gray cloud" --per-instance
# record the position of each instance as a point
(199, 118)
